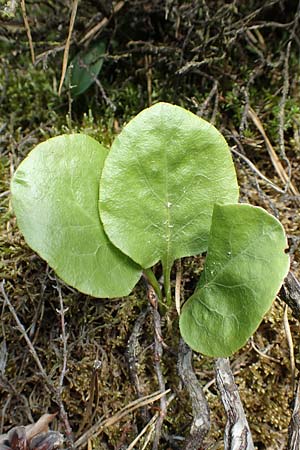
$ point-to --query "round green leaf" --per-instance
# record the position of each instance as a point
(244, 269)
(55, 194)
(160, 181)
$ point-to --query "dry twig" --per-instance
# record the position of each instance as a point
(148, 69)
(294, 426)
(158, 352)
(289, 339)
(67, 46)
(64, 338)
(290, 294)
(104, 22)
(274, 158)
(286, 85)
(201, 415)
(237, 434)
(97, 429)
(27, 27)
(56, 392)
(150, 425)
(132, 350)
(25, 336)
(256, 171)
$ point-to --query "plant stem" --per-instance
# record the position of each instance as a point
(154, 283)
(167, 282)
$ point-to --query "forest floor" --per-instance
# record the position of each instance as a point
(233, 64)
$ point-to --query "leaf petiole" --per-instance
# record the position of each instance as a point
(154, 283)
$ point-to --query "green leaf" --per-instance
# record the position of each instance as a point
(55, 197)
(85, 67)
(160, 181)
(244, 269)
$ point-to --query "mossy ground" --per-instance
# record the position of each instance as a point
(243, 65)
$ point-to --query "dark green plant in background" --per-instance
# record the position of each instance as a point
(168, 189)
(84, 68)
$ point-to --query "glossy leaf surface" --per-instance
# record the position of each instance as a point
(244, 269)
(85, 67)
(160, 181)
(55, 194)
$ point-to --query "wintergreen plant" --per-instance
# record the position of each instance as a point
(166, 189)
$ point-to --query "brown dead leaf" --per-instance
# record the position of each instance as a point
(17, 437)
(41, 426)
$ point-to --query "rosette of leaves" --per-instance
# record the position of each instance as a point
(166, 189)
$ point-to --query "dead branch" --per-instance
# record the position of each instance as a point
(290, 294)
(294, 426)
(104, 95)
(237, 434)
(64, 338)
(132, 350)
(132, 356)
(201, 415)
(285, 91)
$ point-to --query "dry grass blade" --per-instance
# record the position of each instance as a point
(150, 425)
(101, 24)
(96, 429)
(148, 70)
(289, 338)
(274, 158)
(27, 27)
(67, 46)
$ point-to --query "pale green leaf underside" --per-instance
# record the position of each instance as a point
(55, 194)
(160, 180)
(244, 268)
